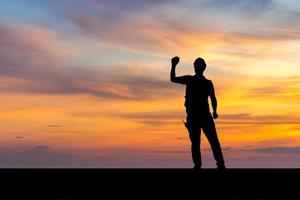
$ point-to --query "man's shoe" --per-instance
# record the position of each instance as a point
(221, 167)
(197, 168)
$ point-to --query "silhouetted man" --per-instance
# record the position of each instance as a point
(198, 88)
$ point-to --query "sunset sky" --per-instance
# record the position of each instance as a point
(85, 83)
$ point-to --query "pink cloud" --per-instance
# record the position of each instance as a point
(31, 63)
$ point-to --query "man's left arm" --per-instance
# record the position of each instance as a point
(213, 100)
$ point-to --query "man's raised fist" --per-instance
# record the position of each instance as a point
(175, 60)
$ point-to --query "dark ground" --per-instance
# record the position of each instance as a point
(150, 184)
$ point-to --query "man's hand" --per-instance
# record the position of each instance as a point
(215, 115)
(175, 61)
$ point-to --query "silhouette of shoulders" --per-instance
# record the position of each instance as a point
(191, 79)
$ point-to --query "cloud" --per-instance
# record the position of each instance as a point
(170, 152)
(40, 149)
(279, 90)
(293, 128)
(267, 90)
(155, 123)
(37, 156)
(42, 156)
(236, 116)
(239, 4)
(29, 52)
(148, 32)
(248, 118)
(278, 150)
(31, 67)
(54, 125)
(227, 148)
(291, 140)
(157, 119)
(258, 122)
(273, 20)
(148, 36)
(38, 60)
(151, 29)
(262, 161)
(166, 117)
(129, 4)
(162, 115)
(150, 119)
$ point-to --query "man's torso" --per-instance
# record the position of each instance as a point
(196, 96)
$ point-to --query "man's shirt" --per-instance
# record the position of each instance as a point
(198, 88)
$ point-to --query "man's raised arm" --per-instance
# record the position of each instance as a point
(174, 62)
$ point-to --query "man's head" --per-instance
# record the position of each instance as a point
(199, 65)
